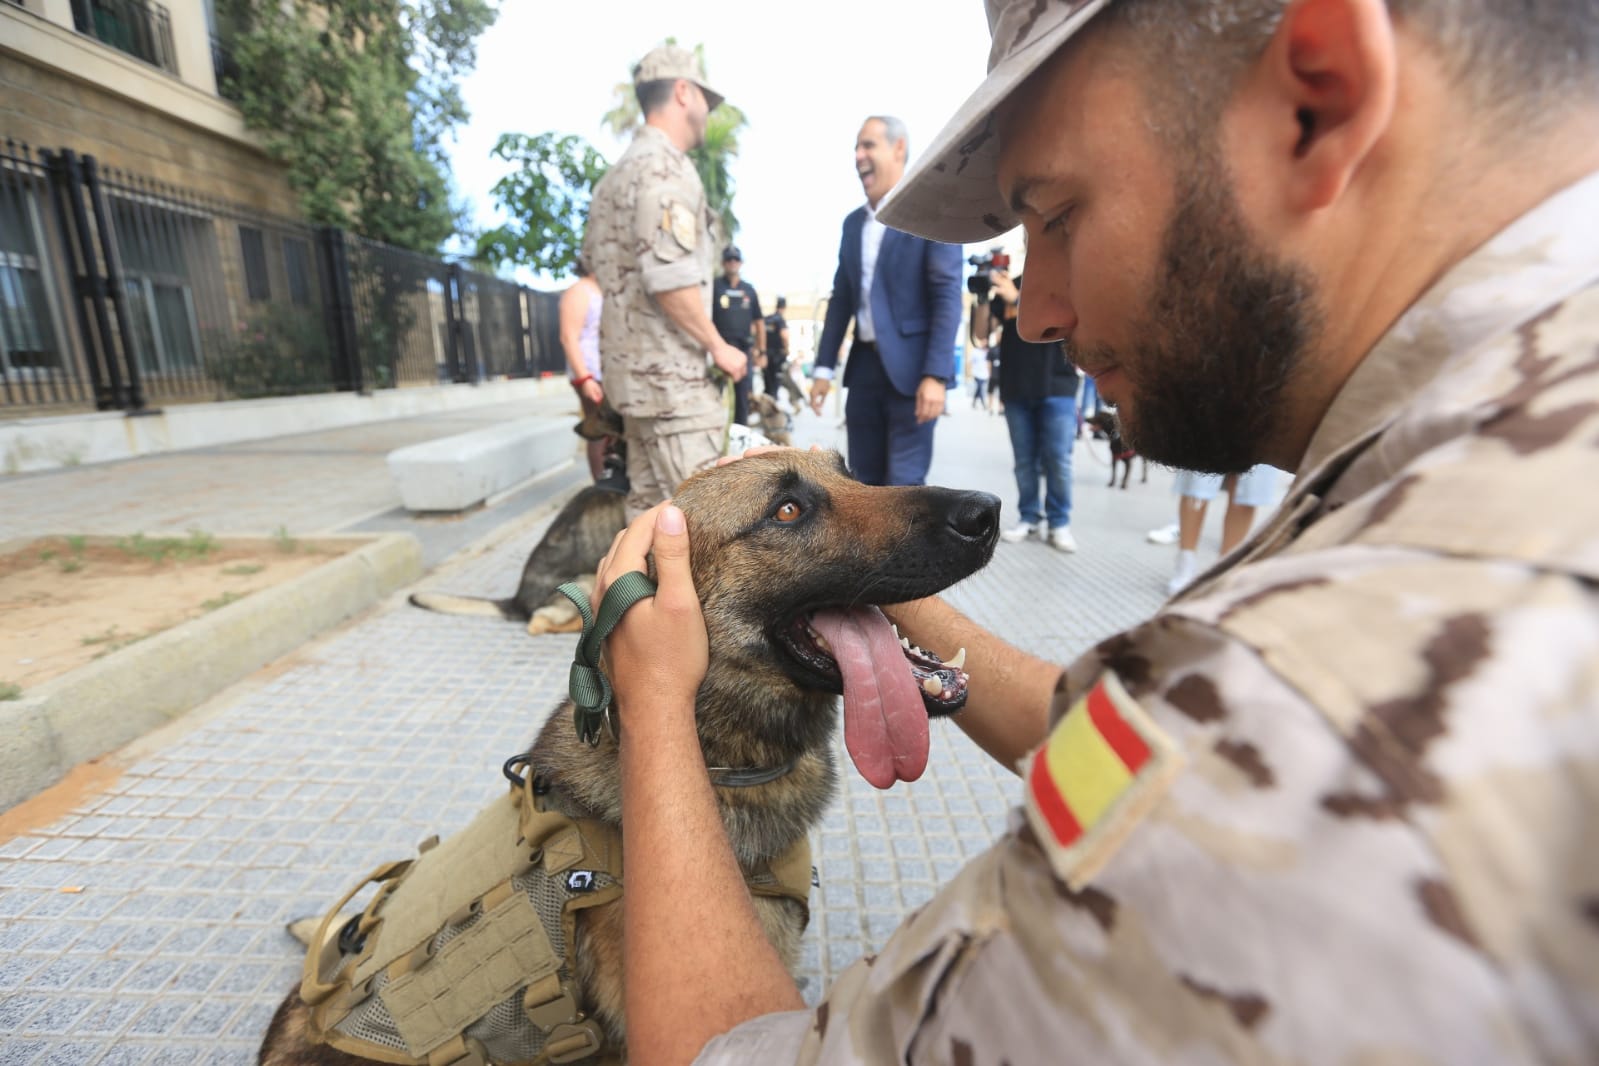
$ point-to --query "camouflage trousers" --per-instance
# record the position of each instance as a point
(659, 457)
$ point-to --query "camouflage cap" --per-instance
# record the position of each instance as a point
(670, 61)
(950, 194)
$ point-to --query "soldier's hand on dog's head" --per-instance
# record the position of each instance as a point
(658, 653)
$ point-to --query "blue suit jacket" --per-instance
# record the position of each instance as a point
(916, 304)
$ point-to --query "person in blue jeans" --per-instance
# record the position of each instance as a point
(1038, 386)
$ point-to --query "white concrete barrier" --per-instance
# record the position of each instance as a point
(461, 471)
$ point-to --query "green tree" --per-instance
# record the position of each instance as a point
(357, 98)
(713, 159)
(547, 198)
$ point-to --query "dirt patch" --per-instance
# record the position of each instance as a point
(69, 600)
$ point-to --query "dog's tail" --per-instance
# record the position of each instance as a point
(477, 606)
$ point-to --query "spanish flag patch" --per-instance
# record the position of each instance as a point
(1102, 768)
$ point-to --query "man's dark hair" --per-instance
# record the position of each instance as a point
(1515, 63)
(653, 95)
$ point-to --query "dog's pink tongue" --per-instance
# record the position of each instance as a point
(885, 721)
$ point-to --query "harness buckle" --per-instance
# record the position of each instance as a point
(574, 1042)
(550, 1003)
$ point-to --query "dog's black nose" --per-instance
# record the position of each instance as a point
(975, 517)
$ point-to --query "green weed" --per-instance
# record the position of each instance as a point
(100, 638)
(285, 543)
(197, 545)
(9, 691)
(222, 600)
(243, 569)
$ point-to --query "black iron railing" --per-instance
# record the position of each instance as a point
(140, 28)
(119, 292)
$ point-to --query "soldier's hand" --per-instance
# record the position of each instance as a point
(732, 362)
(819, 390)
(658, 652)
(593, 392)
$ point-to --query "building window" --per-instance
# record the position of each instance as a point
(29, 344)
(139, 28)
(256, 283)
(161, 251)
(297, 265)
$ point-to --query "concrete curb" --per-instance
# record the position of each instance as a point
(117, 699)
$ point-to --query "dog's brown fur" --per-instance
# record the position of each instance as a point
(759, 706)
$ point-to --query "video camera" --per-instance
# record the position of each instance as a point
(982, 278)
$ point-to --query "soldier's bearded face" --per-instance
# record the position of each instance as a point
(1224, 328)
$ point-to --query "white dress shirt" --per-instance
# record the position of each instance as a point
(871, 241)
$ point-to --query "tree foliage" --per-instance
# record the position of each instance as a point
(357, 98)
(713, 159)
(547, 199)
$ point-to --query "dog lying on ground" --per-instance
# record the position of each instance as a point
(791, 557)
(570, 550)
(1106, 422)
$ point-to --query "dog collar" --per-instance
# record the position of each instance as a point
(727, 777)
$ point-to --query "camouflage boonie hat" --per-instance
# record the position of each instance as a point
(670, 62)
(950, 194)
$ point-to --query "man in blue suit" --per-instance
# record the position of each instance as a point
(904, 294)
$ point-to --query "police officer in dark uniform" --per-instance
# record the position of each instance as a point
(774, 374)
(736, 313)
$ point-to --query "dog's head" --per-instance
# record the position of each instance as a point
(1105, 419)
(792, 557)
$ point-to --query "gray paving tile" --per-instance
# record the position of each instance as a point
(301, 782)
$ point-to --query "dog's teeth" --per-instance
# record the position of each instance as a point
(959, 660)
(895, 628)
(905, 643)
(933, 686)
(821, 642)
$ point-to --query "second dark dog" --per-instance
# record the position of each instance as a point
(1106, 422)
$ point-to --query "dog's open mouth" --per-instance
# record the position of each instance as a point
(890, 687)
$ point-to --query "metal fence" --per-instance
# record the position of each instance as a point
(118, 292)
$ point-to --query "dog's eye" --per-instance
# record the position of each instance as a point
(789, 511)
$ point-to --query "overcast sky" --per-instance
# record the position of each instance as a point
(805, 84)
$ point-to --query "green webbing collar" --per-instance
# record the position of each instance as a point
(589, 687)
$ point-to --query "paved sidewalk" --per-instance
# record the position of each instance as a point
(142, 922)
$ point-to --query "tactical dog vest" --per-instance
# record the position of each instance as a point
(461, 957)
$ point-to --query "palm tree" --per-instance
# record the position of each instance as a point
(713, 159)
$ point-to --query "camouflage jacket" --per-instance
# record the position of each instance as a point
(1337, 803)
(650, 230)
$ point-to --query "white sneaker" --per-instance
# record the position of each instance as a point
(1163, 535)
(1062, 540)
(1020, 531)
(1187, 570)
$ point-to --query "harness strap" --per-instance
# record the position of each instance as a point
(587, 684)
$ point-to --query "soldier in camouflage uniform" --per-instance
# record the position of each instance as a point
(651, 242)
(1337, 802)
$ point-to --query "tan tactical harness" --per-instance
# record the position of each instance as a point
(461, 957)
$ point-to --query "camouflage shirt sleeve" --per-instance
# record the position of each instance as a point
(670, 223)
(1396, 891)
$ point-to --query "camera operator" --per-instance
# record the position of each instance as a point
(1038, 386)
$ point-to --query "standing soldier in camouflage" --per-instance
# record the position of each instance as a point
(651, 242)
(1338, 801)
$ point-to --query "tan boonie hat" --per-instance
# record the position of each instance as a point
(950, 194)
(670, 62)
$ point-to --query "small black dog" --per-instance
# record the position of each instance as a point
(1106, 422)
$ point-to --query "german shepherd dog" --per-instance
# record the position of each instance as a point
(570, 550)
(791, 558)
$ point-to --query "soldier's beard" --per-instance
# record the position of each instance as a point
(1220, 338)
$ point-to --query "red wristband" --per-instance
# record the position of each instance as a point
(578, 383)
